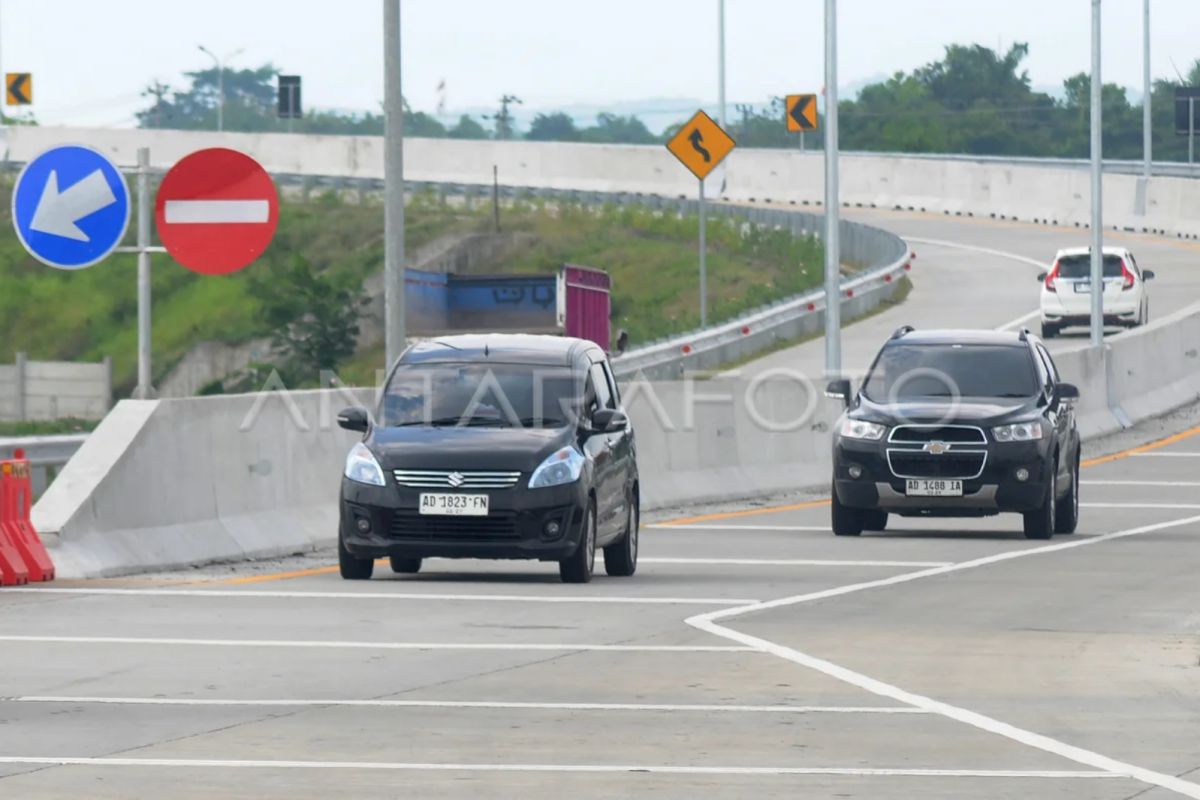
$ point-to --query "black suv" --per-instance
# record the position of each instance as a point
(957, 424)
(493, 447)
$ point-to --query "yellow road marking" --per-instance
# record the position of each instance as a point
(1145, 448)
(745, 513)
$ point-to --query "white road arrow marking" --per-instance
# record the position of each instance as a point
(57, 212)
(216, 212)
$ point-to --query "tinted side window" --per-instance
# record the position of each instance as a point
(612, 383)
(599, 383)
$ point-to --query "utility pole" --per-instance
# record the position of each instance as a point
(220, 64)
(833, 290)
(393, 171)
(1097, 186)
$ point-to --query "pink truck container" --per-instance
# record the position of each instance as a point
(584, 303)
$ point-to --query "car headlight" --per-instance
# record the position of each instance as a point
(362, 467)
(861, 429)
(1018, 432)
(561, 467)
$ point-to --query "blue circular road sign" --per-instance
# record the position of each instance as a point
(70, 207)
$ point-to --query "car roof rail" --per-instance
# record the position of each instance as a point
(1023, 334)
(903, 329)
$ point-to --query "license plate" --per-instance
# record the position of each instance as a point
(934, 488)
(454, 505)
(1081, 288)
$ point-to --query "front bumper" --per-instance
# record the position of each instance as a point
(995, 489)
(515, 527)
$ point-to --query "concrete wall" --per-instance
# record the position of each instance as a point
(43, 390)
(1027, 189)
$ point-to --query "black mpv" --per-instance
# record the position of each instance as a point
(496, 446)
(957, 424)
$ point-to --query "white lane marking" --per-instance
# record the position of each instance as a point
(216, 212)
(792, 562)
(339, 645)
(1174, 506)
(292, 595)
(1033, 262)
(707, 622)
(1187, 454)
(666, 526)
(1166, 484)
(105, 761)
(1021, 320)
(671, 707)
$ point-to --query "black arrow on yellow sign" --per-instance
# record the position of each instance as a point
(20, 88)
(801, 112)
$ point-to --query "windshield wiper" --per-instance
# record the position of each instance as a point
(545, 422)
(445, 422)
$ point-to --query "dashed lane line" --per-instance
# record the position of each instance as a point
(709, 623)
(345, 645)
(374, 595)
(193, 763)
(471, 704)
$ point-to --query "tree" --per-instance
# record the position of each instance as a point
(467, 128)
(313, 316)
(505, 127)
(557, 127)
(615, 129)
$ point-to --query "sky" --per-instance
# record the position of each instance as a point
(90, 60)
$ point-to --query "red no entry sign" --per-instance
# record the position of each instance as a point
(216, 211)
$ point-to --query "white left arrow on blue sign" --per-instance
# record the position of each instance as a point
(57, 212)
(70, 207)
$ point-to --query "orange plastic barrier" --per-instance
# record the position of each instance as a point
(23, 557)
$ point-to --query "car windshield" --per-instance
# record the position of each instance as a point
(1080, 266)
(491, 394)
(913, 371)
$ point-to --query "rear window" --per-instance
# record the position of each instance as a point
(1080, 266)
(914, 371)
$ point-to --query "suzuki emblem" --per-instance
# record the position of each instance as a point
(455, 479)
(936, 448)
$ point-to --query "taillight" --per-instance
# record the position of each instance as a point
(1127, 277)
(1050, 276)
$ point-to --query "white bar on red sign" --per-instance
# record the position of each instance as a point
(216, 212)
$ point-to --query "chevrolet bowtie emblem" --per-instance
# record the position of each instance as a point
(936, 448)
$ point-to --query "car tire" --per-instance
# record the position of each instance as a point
(1066, 519)
(1039, 523)
(1049, 331)
(846, 521)
(874, 520)
(351, 568)
(620, 558)
(579, 566)
(405, 566)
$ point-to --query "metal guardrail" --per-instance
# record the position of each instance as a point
(46, 454)
(1115, 166)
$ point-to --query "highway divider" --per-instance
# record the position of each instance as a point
(22, 556)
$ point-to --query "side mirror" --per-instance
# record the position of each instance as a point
(354, 418)
(609, 420)
(1147, 274)
(1042, 276)
(1067, 393)
(839, 390)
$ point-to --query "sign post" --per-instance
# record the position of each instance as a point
(1185, 116)
(700, 145)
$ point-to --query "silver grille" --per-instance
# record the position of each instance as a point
(455, 479)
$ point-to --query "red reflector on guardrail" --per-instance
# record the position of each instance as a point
(887, 278)
(23, 558)
(745, 330)
(687, 348)
(812, 306)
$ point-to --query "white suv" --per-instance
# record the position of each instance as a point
(1067, 290)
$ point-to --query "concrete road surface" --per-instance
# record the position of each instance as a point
(754, 654)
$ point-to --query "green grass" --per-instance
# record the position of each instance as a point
(652, 257)
(47, 427)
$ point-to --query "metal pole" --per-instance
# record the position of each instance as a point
(721, 62)
(495, 198)
(1191, 137)
(393, 214)
(145, 386)
(833, 304)
(703, 265)
(1148, 89)
(1097, 186)
(220, 96)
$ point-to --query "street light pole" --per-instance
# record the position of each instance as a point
(1147, 140)
(721, 63)
(393, 192)
(1097, 186)
(220, 64)
(833, 291)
